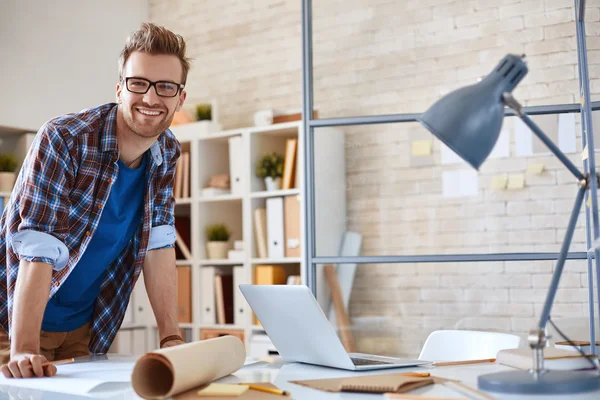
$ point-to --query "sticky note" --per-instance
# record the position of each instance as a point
(421, 147)
(589, 201)
(222, 389)
(516, 181)
(582, 100)
(584, 153)
(499, 182)
(535, 169)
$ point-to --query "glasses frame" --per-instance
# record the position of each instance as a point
(150, 84)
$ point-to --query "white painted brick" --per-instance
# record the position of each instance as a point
(507, 310)
(486, 295)
(559, 30)
(440, 294)
(552, 17)
(522, 324)
(533, 237)
(419, 308)
(488, 281)
(548, 47)
(476, 17)
(554, 4)
(528, 267)
(521, 8)
(496, 324)
(532, 207)
(563, 310)
(567, 280)
(527, 295)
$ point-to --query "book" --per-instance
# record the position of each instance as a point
(382, 383)
(289, 166)
(260, 232)
(291, 224)
(554, 359)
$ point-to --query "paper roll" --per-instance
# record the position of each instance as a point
(166, 372)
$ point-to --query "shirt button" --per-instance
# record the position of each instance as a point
(88, 233)
(100, 206)
(110, 180)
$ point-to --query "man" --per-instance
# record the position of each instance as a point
(92, 206)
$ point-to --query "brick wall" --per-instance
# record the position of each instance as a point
(378, 57)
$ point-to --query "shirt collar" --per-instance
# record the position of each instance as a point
(108, 141)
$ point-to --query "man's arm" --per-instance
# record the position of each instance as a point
(30, 298)
(160, 278)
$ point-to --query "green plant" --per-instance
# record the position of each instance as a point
(8, 162)
(270, 165)
(204, 112)
(217, 233)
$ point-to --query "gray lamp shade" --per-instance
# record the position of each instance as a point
(468, 120)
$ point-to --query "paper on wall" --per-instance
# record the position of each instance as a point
(499, 182)
(449, 156)
(535, 168)
(516, 181)
(523, 139)
(460, 183)
(502, 147)
(566, 133)
(421, 147)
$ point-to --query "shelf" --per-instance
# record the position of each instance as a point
(257, 328)
(274, 193)
(187, 200)
(5, 194)
(289, 260)
(186, 325)
(184, 262)
(221, 262)
(285, 128)
(225, 197)
(129, 327)
(221, 326)
(222, 136)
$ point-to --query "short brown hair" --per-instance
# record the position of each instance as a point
(154, 39)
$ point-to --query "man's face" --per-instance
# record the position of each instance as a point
(148, 114)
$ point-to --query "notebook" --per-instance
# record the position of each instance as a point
(554, 359)
(247, 395)
(384, 383)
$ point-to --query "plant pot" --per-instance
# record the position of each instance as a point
(272, 184)
(217, 250)
(7, 181)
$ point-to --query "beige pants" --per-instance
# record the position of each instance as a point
(54, 345)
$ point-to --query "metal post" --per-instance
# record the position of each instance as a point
(309, 181)
(588, 132)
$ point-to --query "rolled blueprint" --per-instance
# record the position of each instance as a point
(166, 372)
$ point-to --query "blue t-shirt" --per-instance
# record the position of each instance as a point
(72, 306)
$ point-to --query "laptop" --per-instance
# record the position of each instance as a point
(300, 331)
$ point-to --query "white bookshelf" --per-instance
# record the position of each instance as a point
(209, 155)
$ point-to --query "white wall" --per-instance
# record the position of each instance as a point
(60, 56)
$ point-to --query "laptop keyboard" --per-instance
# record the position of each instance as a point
(363, 361)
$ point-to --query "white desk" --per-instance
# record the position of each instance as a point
(281, 373)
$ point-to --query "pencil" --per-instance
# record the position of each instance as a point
(57, 362)
(417, 374)
(447, 363)
(266, 389)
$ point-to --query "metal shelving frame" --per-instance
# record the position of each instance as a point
(585, 108)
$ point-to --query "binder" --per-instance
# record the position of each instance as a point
(291, 224)
(185, 164)
(208, 295)
(239, 302)
(235, 165)
(220, 299)
(275, 233)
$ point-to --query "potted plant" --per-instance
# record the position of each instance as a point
(270, 167)
(8, 166)
(217, 241)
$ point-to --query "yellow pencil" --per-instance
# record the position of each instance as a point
(266, 389)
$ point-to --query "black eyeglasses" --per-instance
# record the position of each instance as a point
(162, 88)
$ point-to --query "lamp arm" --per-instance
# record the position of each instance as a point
(562, 256)
(511, 102)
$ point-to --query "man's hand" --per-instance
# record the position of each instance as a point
(27, 365)
(172, 343)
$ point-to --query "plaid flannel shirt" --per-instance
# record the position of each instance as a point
(56, 204)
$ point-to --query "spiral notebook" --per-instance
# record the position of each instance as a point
(384, 383)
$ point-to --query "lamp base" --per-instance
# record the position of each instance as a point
(550, 382)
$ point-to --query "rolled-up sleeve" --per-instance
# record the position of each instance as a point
(162, 234)
(44, 204)
(42, 247)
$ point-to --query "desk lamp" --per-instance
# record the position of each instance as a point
(468, 120)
